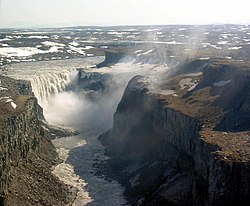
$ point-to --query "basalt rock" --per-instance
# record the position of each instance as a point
(114, 56)
(185, 148)
(27, 154)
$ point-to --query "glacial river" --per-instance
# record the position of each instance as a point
(79, 152)
(73, 109)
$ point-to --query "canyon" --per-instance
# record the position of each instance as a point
(151, 123)
(188, 147)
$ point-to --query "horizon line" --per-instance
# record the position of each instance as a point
(52, 26)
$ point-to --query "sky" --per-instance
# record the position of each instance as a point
(50, 13)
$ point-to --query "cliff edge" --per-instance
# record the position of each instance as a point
(186, 141)
(27, 154)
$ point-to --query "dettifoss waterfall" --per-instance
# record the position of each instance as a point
(79, 152)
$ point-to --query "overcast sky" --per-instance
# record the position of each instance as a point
(28, 13)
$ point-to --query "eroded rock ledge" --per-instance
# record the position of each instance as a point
(190, 146)
(27, 154)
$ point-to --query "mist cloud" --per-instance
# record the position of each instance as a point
(83, 110)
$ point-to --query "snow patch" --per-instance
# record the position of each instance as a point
(3, 88)
(222, 42)
(192, 87)
(167, 92)
(38, 37)
(148, 52)
(74, 43)
(138, 51)
(235, 48)
(25, 51)
(13, 105)
(50, 43)
(78, 50)
(88, 47)
(204, 58)
(6, 45)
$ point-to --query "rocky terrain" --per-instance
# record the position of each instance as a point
(27, 154)
(167, 44)
(187, 142)
(180, 134)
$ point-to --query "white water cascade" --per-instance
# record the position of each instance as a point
(79, 153)
(45, 86)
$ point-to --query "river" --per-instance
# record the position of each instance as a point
(79, 152)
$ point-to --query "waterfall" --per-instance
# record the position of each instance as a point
(46, 85)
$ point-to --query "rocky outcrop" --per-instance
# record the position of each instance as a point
(168, 146)
(26, 151)
(88, 81)
(114, 56)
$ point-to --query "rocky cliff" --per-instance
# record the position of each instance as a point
(187, 143)
(27, 154)
(113, 56)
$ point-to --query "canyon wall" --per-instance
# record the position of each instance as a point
(27, 154)
(165, 153)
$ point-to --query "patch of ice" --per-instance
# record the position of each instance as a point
(148, 52)
(216, 47)
(228, 57)
(204, 58)
(74, 43)
(68, 37)
(221, 83)
(194, 74)
(38, 37)
(3, 88)
(104, 47)
(222, 42)
(50, 43)
(192, 87)
(78, 50)
(167, 92)
(138, 51)
(8, 100)
(168, 42)
(113, 33)
(4, 98)
(25, 51)
(235, 48)
(5, 45)
(88, 47)
(13, 105)
(5, 39)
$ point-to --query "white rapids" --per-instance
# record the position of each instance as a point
(79, 153)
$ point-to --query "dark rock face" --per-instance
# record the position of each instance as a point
(88, 81)
(175, 163)
(26, 151)
(112, 57)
